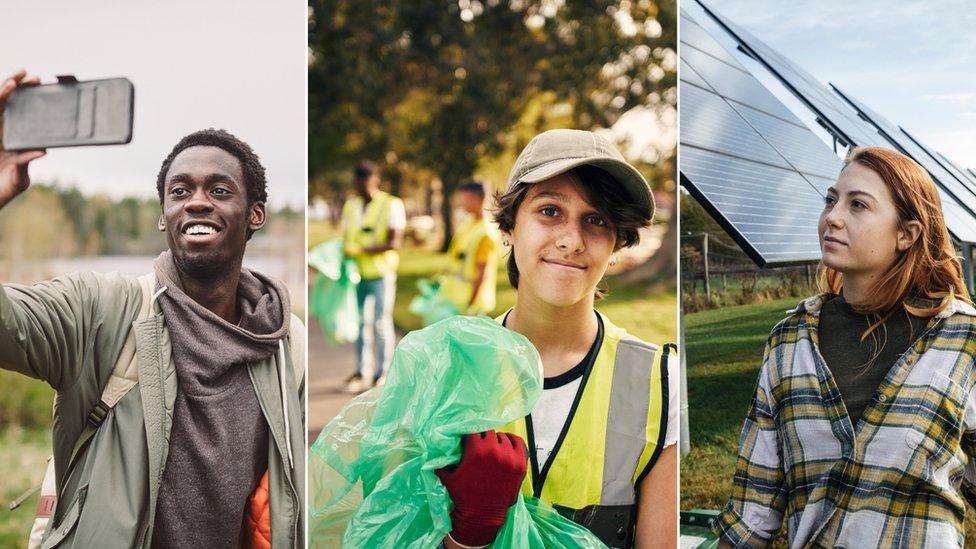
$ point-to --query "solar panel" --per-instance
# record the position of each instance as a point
(697, 35)
(734, 83)
(968, 176)
(840, 119)
(752, 164)
(954, 169)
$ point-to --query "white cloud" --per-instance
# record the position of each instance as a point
(951, 97)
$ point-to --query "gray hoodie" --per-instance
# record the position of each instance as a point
(219, 441)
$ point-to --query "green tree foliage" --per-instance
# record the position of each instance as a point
(34, 226)
(439, 86)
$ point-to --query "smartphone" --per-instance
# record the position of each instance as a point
(70, 113)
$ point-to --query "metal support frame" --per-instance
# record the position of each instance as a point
(967, 266)
(685, 430)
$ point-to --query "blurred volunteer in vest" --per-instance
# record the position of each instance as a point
(373, 223)
(601, 442)
(862, 432)
(180, 394)
(471, 276)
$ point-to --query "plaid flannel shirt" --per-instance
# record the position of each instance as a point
(898, 480)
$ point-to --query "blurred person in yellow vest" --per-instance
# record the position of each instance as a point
(469, 281)
(373, 223)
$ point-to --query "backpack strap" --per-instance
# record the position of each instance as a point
(296, 348)
(124, 376)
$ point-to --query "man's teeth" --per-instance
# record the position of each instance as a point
(200, 229)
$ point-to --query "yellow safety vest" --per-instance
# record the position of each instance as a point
(594, 467)
(457, 284)
(369, 226)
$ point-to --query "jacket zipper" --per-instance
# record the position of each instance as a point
(282, 458)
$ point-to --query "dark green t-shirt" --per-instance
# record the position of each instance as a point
(858, 366)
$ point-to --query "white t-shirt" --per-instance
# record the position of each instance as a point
(549, 416)
(552, 410)
(398, 215)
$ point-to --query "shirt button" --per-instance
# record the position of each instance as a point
(883, 398)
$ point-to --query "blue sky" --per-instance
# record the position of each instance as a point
(912, 62)
(233, 64)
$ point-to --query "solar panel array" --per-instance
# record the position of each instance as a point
(753, 165)
(838, 116)
(829, 108)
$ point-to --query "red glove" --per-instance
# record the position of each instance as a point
(484, 485)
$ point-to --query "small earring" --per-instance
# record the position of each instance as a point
(613, 260)
(505, 243)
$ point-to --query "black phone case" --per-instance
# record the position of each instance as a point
(69, 114)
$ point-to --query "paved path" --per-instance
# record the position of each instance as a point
(328, 367)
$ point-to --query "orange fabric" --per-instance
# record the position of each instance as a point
(258, 519)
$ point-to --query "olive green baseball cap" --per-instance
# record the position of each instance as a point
(558, 151)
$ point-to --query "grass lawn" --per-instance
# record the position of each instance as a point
(23, 453)
(724, 351)
(25, 444)
(320, 231)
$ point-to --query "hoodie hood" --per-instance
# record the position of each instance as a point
(263, 303)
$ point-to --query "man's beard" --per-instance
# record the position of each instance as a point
(204, 266)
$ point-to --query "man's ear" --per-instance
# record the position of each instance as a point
(257, 217)
(908, 234)
(161, 224)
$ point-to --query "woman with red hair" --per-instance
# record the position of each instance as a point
(864, 419)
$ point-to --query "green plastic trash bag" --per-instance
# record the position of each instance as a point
(371, 471)
(430, 305)
(333, 296)
(327, 258)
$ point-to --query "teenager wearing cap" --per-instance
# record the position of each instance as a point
(601, 441)
(373, 223)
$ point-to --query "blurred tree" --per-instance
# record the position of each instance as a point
(78, 225)
(440, 85)
(33, 227)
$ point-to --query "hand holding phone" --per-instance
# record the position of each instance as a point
(13, 164)
(69, 113)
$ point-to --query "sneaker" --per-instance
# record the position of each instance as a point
(355, 384)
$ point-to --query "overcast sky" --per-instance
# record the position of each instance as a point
(238, 65)
(912, 62)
